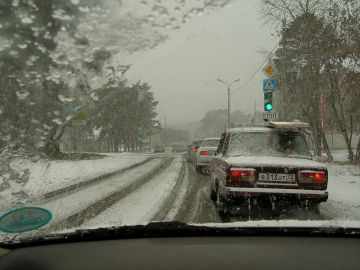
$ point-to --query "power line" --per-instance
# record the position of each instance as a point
(253, 75)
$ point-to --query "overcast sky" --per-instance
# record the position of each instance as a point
(183, 71)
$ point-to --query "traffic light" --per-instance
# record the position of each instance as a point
(268, 100)
(138, 138)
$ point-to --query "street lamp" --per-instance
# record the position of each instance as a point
(228, 85)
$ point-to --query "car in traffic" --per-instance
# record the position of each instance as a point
(178, 148)
(192, 150)
(205, 153)
(159, 148)
(266, 166)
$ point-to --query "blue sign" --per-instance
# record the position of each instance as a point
(269, 85)
(24, 219)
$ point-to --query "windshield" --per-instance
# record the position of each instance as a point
(104, 104)
(269, 144)
(210, 143)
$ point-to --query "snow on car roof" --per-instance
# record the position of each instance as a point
(289, 125)
(272, 125)
(251, 129)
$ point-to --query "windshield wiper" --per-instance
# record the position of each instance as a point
(180, 229)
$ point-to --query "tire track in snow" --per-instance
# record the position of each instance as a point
(168, 203)
(197, 206)
(186, 207)
(54, 195)
(99, 206)
(180, 196)
(65, 206)
(142, 206)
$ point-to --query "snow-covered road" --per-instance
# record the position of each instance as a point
(75, 202)
(143, 205)
(47, 176)
(153, 187)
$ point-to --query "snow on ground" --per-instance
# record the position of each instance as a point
(73, 203)
(48, 175)
(340, 155)
(342, 207)
(344, 192)
(287, 223)
(179, 197)
(141, 206)
(51, 175)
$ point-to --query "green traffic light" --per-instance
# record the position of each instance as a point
(268, 100)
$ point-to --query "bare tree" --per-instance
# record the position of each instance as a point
(319, 59)
(276, 11)
(341, 60)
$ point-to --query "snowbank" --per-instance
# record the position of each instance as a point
(46, 176)
(344, 192)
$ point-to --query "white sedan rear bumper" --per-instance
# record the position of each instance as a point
(202, 160)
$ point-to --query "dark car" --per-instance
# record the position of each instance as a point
(159, 148)
(267, 165)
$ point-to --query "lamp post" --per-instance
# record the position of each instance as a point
(229, 96)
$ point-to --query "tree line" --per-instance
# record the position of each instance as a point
(47, 64)
(318, 63)
(214, 122)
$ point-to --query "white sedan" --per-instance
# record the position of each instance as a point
(205, 153)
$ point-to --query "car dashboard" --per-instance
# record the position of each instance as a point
(239, 252)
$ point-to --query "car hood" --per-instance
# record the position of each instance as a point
(272, 161)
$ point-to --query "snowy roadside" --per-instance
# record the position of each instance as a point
(343, 187)
(340, 155)
(46, 176)
(344, 192)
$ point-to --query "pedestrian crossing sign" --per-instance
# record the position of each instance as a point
(269, 85)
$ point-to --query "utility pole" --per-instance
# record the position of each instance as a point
(229, 98)
(229, 101)
(255, 111)
(282, 99)
(69, 142)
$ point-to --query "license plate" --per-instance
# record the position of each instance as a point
(278, 177)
